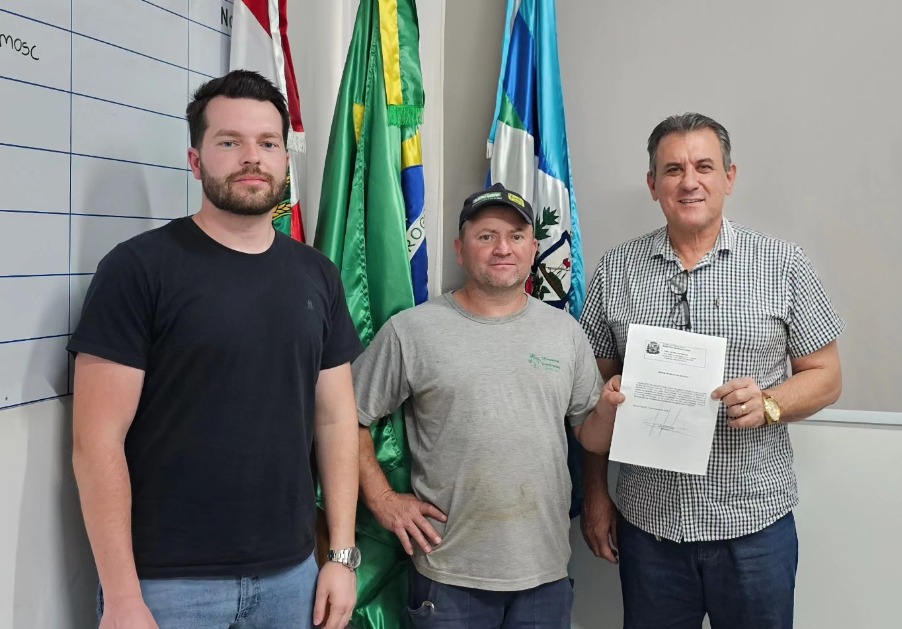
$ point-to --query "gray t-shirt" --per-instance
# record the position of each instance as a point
(486, 404)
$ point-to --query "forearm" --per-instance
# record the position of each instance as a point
(806, 393)
(595, 433)
(106, 499)
(595, 474)
(816, 383)
(336, 453)
(373, 482)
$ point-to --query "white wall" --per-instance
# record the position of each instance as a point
(472, 59)
(848, 525)
(47, 577)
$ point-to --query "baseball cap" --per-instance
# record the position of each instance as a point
(495, 196)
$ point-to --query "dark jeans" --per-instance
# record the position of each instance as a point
(742, 583)
(436, 605)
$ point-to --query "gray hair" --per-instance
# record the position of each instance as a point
(686, 123)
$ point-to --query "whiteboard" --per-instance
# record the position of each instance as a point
(93, 150)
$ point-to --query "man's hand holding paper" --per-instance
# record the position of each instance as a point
(667, 418)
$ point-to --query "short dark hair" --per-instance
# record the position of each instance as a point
(235, 84)
(686, 123)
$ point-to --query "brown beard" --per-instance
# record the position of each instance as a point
(221, 193)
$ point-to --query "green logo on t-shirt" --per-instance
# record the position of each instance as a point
(544, 362)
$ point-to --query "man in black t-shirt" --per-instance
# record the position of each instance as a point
(212, 355)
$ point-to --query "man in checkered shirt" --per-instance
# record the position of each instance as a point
(723, 544)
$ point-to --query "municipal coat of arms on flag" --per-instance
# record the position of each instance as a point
(528, 149)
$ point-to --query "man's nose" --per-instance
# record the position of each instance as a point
(502, 247)
(690, 179)
(250, 154)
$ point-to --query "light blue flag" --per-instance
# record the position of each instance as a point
(528, 148)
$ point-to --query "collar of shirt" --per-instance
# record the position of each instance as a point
(660, 246)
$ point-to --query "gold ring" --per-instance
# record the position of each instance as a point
(743, 408)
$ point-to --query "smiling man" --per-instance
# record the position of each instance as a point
(212, 355)
(723, 544)
(488, 376)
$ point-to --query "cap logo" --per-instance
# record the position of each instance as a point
(494, 196)
(516, 199)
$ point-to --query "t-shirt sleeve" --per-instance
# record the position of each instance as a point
(380, 379)
(117, 316)
(586, 381)
(813, 323)
(343, 344)
(594, 318)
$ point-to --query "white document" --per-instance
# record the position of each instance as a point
(668, 418)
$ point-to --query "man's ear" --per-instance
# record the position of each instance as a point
(650, 180)
(194, 162)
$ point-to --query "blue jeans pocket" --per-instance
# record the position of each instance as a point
(420, 599)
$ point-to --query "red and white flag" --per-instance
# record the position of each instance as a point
(260, 43)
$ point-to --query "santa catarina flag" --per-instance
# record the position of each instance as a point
(260, 43)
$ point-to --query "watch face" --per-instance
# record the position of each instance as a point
(353, 558)
(771, 410)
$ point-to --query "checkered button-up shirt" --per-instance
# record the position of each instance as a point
(763, 296)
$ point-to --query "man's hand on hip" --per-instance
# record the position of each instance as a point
(405, 516)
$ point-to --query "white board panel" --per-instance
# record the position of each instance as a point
(33, 244)
(78, 288)
(54, 12)
(101, 186)
(103, 129)
(134, 25)
(209, 50)
(34, 52)
(34, 116)
(33, 307)
(176, 6)
(122, 77)
(34, 180)
(214, 14)
(33, 370)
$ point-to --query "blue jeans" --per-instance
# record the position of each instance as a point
(742, 583)
(435, 605)
(267, 601)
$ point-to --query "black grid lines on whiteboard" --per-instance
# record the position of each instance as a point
(92, 151)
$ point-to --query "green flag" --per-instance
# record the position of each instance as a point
(362, 227)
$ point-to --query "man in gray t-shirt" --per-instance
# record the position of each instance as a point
(489, 375)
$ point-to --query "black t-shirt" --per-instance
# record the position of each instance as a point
(231, 345)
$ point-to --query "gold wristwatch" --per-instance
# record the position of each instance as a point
(771, 410)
